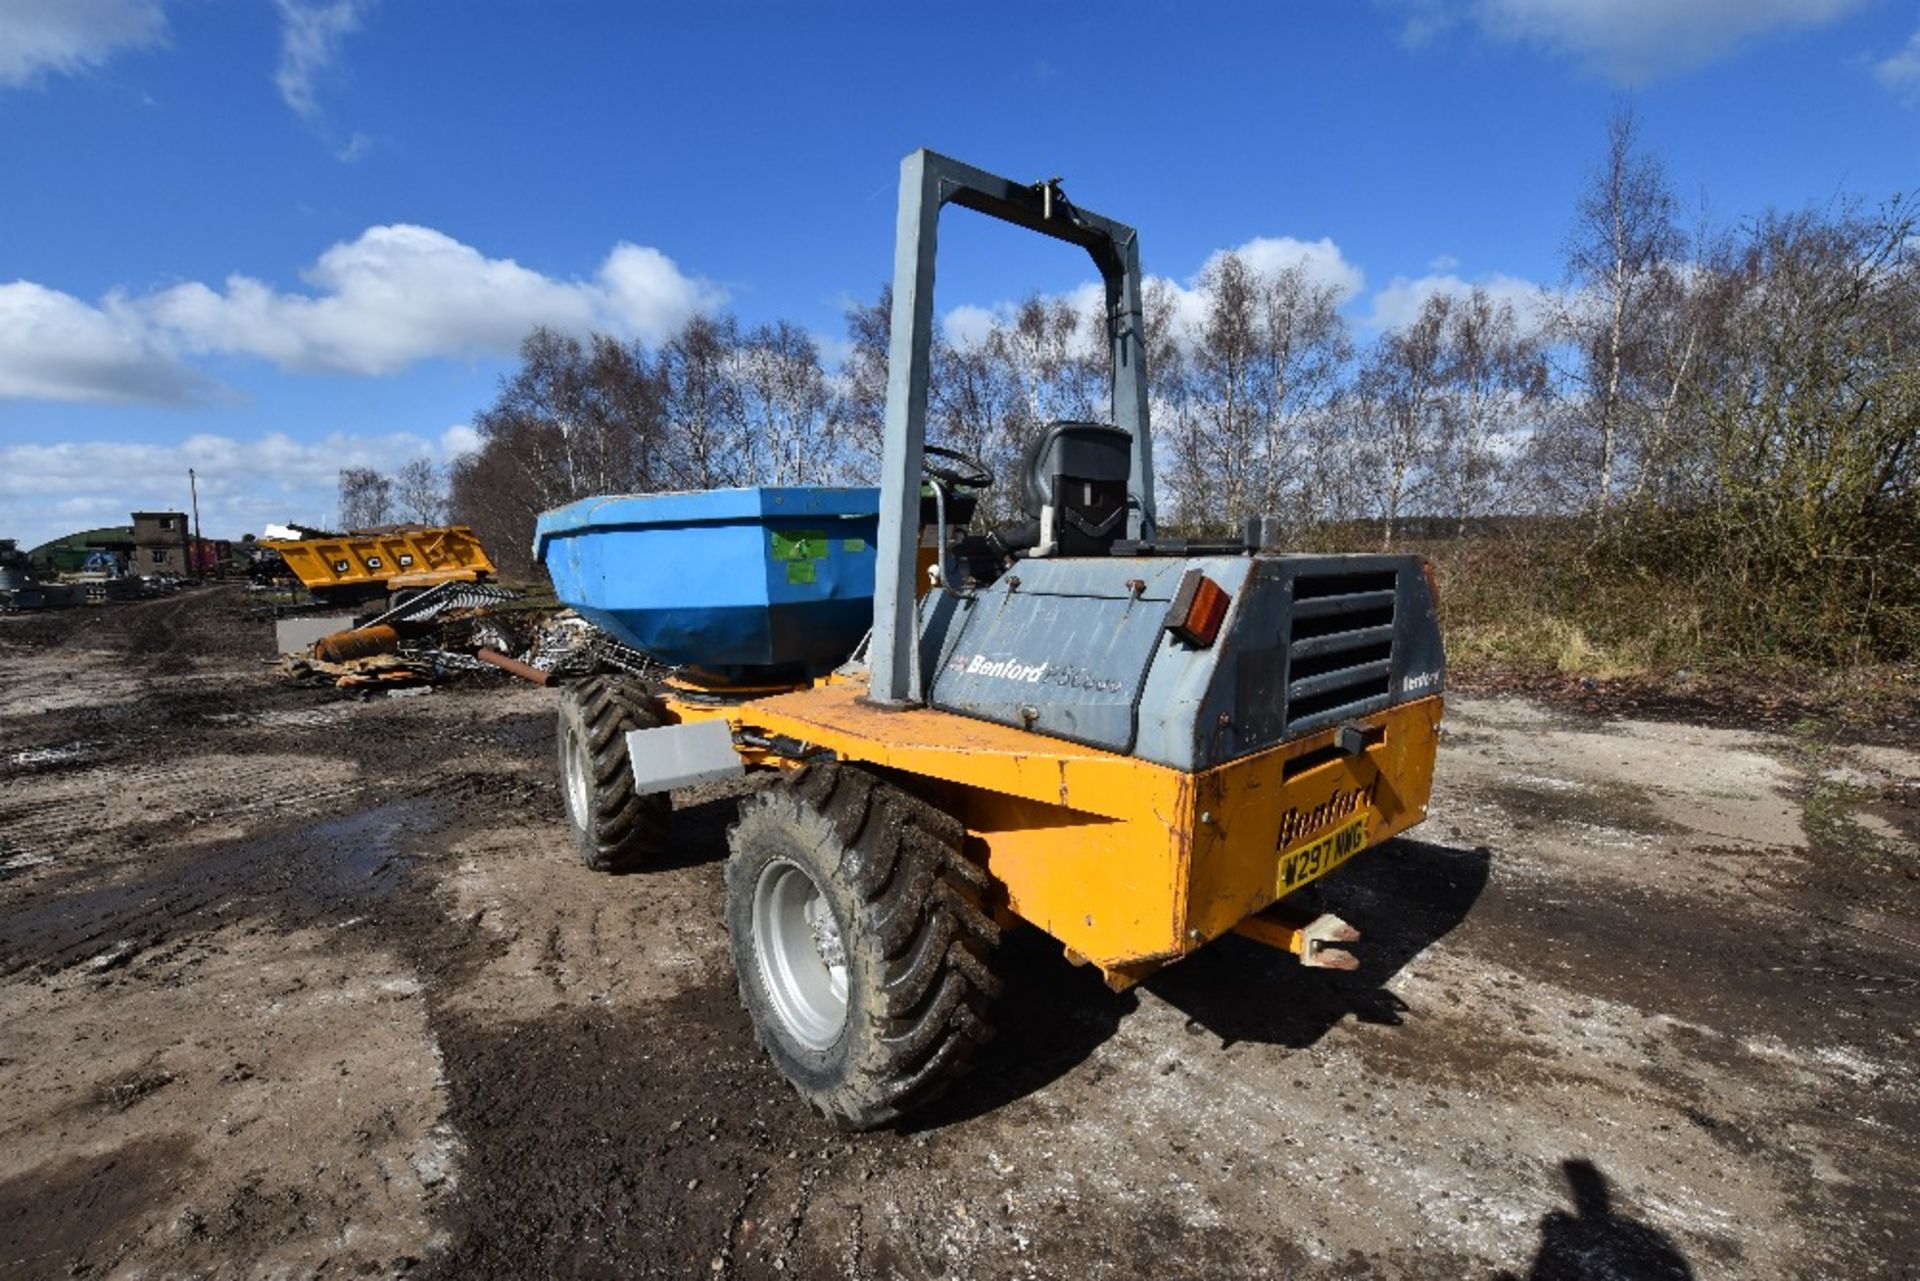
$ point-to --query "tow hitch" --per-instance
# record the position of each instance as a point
(1319, 941)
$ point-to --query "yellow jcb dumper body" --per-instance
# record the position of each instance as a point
(368, 564)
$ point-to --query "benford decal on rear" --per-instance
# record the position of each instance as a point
(1063, 675)
(1006, 669)
(1297, 823)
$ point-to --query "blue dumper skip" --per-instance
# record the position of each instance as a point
(737, 582)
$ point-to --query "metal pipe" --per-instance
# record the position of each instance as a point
(513, 666)
(1127, 332)
(193, 558)
(927, 182)
(895, 648)
(356, 642)
(940, 535)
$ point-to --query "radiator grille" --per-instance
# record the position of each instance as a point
(1339, 647)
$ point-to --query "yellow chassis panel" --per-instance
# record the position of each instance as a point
(1129, 864)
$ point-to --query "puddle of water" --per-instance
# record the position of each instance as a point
(14, 860)
(304, 718)
(1549, 783)
(35, 758)
(295, 872)
(361, 853)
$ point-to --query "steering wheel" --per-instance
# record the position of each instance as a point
(959, 469)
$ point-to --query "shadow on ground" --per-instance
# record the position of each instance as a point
(1597, 1240)
(1050, 1017)
(1403, 897)
(697, 832)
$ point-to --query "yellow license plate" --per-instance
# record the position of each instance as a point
(1310, 862)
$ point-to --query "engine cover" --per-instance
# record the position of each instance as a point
(1061, 647)
(1079, 649)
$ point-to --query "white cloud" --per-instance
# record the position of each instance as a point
(53, 346)
(48, 491)
(69, 36)
(354, 148)
(1627, 40)
(392, 297)
(1424, 21)
(1400, 301)
(834, 349)
(1321, 260)
(458, 439)
(310, 36)
(399, 294)
(968, 324)
(1900, 72)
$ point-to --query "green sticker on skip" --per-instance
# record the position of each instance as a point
(853, 544)
(799, 545)
(799, 571)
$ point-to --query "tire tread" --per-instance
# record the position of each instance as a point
(924, 923)
(628, 829)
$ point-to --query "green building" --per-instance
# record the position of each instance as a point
(67, 555)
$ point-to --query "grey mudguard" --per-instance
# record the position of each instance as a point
(1078, 649)
(671, 756)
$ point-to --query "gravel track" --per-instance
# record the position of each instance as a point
(299, 984)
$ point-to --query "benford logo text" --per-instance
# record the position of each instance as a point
(1007, 669)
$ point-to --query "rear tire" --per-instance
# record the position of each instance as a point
(860, 942)
(615, 828)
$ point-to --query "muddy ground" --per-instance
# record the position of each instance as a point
(293, 983)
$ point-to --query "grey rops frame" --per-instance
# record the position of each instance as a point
(927, 182)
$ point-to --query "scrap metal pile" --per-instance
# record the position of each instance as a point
(428, 639)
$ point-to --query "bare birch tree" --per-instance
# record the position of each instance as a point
(1301, 360)
(574, 419)
(1399, 410)
(703, 404)
(1494, 378)
(861, 408)
(420, 491)
(1048, 351)
(1622, 242)
(788, 406)
(366, 498)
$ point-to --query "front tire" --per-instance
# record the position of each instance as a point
(860, 942)
(615, 828)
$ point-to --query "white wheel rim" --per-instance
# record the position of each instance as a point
(578, 772)
(803, 960)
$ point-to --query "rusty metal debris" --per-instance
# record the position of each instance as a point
(513, 666)
(358, 642)
(373, 672)
(445, 599)
(446, 630)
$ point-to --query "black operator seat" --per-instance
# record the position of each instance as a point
(1076, 487)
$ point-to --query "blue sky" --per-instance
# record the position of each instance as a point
(270, 239)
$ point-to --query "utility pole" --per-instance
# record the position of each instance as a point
(193, 555)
